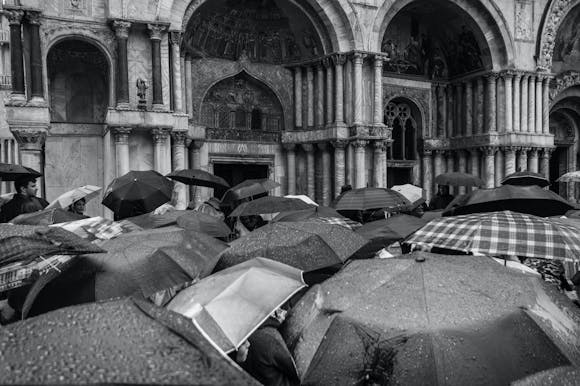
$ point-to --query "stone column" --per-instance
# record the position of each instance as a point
(188, 86)
(160, 136)
(291, 167)
(533, 159)
(37, 86)
(450, 156)
(531, 103)
(309, 97)
(522, 159)
(122, 149)
(357, 90)
(474, 162)
(462, 166)
(499, 167)
(178, 150)
(298, 97)
(16, 60)
(524, 104)
(319, 113)
(326, 182)
(450, 111)
(339, 164)
(545, 162)
(546, 105)
(510, 160)
(442, 111)
(468, 108)
(378, 88)
(459, 120)
(339, 61)
(427, 173)
(509, 101)
(516, 101)
(195, 156)
(182, 87)
(479, 103)
(175, 38)
(379, 164)
(539, 101)
(359, 162)
(121, 28)
(155, 31)
(310, 183)
(31, 145)
(348, 92)
(438, 162)
(491, 103)
(327, 62)
(489, 153)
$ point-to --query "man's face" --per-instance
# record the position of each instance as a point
(30, 189)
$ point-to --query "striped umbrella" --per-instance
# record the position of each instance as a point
(458, 179)
(502, 233)
(525, 178)
(371, 198)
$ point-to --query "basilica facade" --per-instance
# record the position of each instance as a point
(314, 94)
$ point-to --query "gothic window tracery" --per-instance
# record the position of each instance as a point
(399, 116)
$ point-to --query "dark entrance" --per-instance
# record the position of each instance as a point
(235, 173)
(398, 176)
(558, 166)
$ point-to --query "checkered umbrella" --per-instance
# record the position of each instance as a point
(370, 198)
(341, 221)
(502, 233)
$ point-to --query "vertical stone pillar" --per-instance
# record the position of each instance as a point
(290, 167)
(474, 162)
(524, 104)
(450, 111)
(438, 162)
(175, 38)
(178, 157)
(450, 156)
(509, 100)
(37, 86)
(195, 156)
(350, 167)
(442, 111)
(121, 28)
(183, 90)
(357, 105)
(491, 103)
(531, 103)
(329, 97)
(339, 165)
(522, 159)
(31, 145)
(378, 88)
(298, 97)
(546, 105)
(348, 103)
(533, 159)
(489, 154)
(427, 173)
(379, 164)
(188, 87)
(539, 101)
(359, 162)
(459, 118)
(16, 60)
(516, 101)
(479, 110)
(326, 183)
(309, 97)
(545, 162)
(319, 114)
(499, 167)
(160, 136)
(468, 108)
(510, 160)
(310, 183)
(155, 31)
(339, 61)
(462, 167)
(122, 149)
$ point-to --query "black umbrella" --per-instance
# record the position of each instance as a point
(269, 204)
(198, 177)
(525, 178)
(202, 222)
(137, 192)
(458, 179)
(12, 172)
(305, 214)
(249, 188)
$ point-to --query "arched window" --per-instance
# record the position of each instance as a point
(399, 117)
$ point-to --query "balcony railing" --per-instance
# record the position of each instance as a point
(5, 82)
(9, 153)
(4, 36)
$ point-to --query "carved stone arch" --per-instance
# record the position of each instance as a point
(563, 82)
(555, 14)
(415, 97)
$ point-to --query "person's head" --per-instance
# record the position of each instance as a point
(26, 186)
(443, 190)
(78, 206)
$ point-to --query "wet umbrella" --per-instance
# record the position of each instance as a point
(526, 178)
(249, 188)
(452, 320)
(570, 177)
(198, 177)
(153, 221)
(46, 217)
(370, 198)
(502, 233)
(137, 192)
(340, 221)
(525, 199)
(116, 342)
(411, 192)
(13, 172)
(87, 192)
(458, 179)
(269, 204)
(304, 245)
(563, 376)
(230, 305)
(305, 214)
(202, 222)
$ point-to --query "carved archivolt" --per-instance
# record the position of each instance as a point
(556, 15)
(420, 97)
(563, 81)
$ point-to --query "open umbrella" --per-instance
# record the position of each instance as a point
(370, 198)
(249, 188)
(88, 192)
(152, 220)
(13, 172)
(564, 376)
(305, 214)
(340, 221)
(46, 217)
(570, 177)
(304, 245)
(452, 320)
(198, 177)
(502, 233)
(525, 178)
(269, 204)
(411, 192)
(196, 221)
(230, 305)
(525, 199)
(116, 342)
(137, 192)
(458, 179)
(302, 197)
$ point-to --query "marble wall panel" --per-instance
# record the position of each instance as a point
(139, 58)
(367, 93)
(140, 151)
(165, 52)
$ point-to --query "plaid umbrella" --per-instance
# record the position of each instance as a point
(249, 188)
(269, 204)
(502, 233)
(13, 172)
(370, 198)
(341, 221)
(198, 177)
(525, 178)
(458, 179)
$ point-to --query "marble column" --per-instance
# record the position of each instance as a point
(195, 156)
(509, 101)
(155, 32)
(510, 160)
(188, 86)
(121, 135)
(319, 113)
(427, 173)
(348, 91)
(327, 62)
(450, 156)
(468, 108)
(178, 158)
(459, 118)
(310, 172)
(309, 97)
(298, 97)
(290, 168)
(16, 60)
(522, 159)
(462, 166)
(438, 162)
(499, 167)
(531, 103)
(489, 154)
(491, 103)
(378, 89)
(339, 61)
(379, 165)
(533, 159)
(545, 162)
(450, 112)
(539, 101)
(175, 38)
(516, 101)
(546, 105)
(360, 164)
(160, 137)
(442, 111)
(357, 89)
(183, 90)
(30, 146)
(350, 167)
(326, 182)
(121, 28)
(524, 104)
(36, 81)
(474, 153)
(339, 164)
(479, 106)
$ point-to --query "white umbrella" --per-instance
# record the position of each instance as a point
(302, 197)
(87, 192)
(570, 177)
(411, 192)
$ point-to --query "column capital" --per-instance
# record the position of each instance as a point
(121, 134)
(179, 137)
(488, 150)
(327, 62)
(188, 141)
(379, 59)
(33, 17)
(29, 139)
(197, 144)
(360, 144)
(322, 146)
(427, 152)
(358, 57)
(547, 151)
(14, 16)
(380, 146)
(439, 152)
(175, 37)
(160, 134)
(155, 31)
(308, 147)
(340, 144)
(121, 28)
(474, 151)
(534, 151)
(509, 149)
(524, 149)
(507, 75)
(339, 59)
(289, 146)
(491, 77)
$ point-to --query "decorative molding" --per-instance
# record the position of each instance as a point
(33, 17)
(121, 28)
(420, 97)
(559, 9)
(160, 134)
(14, 16)
(524, 20)
(29, 139)
(241, 135)
(563, 81)
(155, 31)
(53, 29)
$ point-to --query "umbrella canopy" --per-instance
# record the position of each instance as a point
(153, 221)
(451, 320)
(340, 221)
(117, 342)
(230, 305)
(269, 204)
(196, 221)
(88, 192)
(411, 192)
(302, 197)
(249, 188)
(198, 177)
(137, 192)
(305, 214)
(304, 245)
(502, 233)
(525, 199)
(526, 178)
(13, 172)
(570, 177)
(458, 179)
(370, 198)
(46, 217)
(564, 376)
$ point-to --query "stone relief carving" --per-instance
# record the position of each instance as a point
(421, 97)
(524, 16)
(566, 53)
(53, 29)
(558, 10)
(563, 81)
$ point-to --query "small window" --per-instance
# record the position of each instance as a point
(256, 119)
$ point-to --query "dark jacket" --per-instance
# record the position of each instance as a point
(440, 201)
(19, 205)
